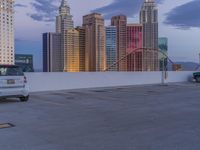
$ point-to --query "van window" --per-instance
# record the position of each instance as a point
(10, 71)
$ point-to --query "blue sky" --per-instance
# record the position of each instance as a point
(179, 20)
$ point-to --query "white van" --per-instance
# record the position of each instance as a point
(13, 83)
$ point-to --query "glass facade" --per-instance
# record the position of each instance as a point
(111, 48)
(163, 48)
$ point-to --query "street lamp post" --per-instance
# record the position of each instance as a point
(199, 58)
(163, 72)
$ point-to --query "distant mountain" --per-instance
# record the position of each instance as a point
(186, 66)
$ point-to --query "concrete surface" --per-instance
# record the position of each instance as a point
(150, 117)
(63, 81)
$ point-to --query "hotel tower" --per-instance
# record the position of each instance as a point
(64, 22)
(95, 50)
(6, 32)
(120, 22)
(149, 21)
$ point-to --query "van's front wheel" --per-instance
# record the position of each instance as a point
(24, 99)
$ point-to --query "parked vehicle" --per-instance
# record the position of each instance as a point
(13, 83)
(196, 76)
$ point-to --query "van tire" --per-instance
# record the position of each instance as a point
(24, 99)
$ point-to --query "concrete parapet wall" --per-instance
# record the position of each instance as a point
(63, 81)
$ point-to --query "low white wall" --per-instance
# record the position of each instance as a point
(181, 76)
(61, 81)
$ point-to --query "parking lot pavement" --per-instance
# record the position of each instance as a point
(150, 117)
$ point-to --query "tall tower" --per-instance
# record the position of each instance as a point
(52, 53)
(7, 32)
(163, 47)
(64, 19)
(64, 22)
(149, 20)
(111, 48)
(72, 51)
(134, 40)
(121, 22)
(81, 31)
(95, 50)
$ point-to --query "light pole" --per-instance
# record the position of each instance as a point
(164, 71)
(199, 58)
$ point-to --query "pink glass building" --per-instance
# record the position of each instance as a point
(134, 41)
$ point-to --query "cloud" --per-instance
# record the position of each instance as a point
(126, 7)
(20, 5)
(185, 16)
(46, 10)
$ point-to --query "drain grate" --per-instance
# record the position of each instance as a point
(6, 125)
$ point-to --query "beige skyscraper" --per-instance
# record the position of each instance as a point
(81, 48)
(64, 22)
(71, 63)
(121, 22)
(95, 50)
(149, 21)
(64, 19)
(6, 32)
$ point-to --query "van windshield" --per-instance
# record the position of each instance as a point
(11, 71)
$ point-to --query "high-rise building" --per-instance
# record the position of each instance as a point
(163, 55)
(7, 32)
(81, 31)
(121, 22)
(149, 20)
(111, 48)
(52, 52)
(71, 51)
(95, 51)
(63, 22)
(64, 19)
(134, 41)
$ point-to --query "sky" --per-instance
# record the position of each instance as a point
(179, 21)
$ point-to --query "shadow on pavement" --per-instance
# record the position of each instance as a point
(8, 100)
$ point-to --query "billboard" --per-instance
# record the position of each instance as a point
(25, 62)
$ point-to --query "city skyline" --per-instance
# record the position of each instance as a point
(98, 53)
(188, 50)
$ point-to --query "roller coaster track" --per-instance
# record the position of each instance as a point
(136, 50)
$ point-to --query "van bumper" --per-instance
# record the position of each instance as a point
(13, 92)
